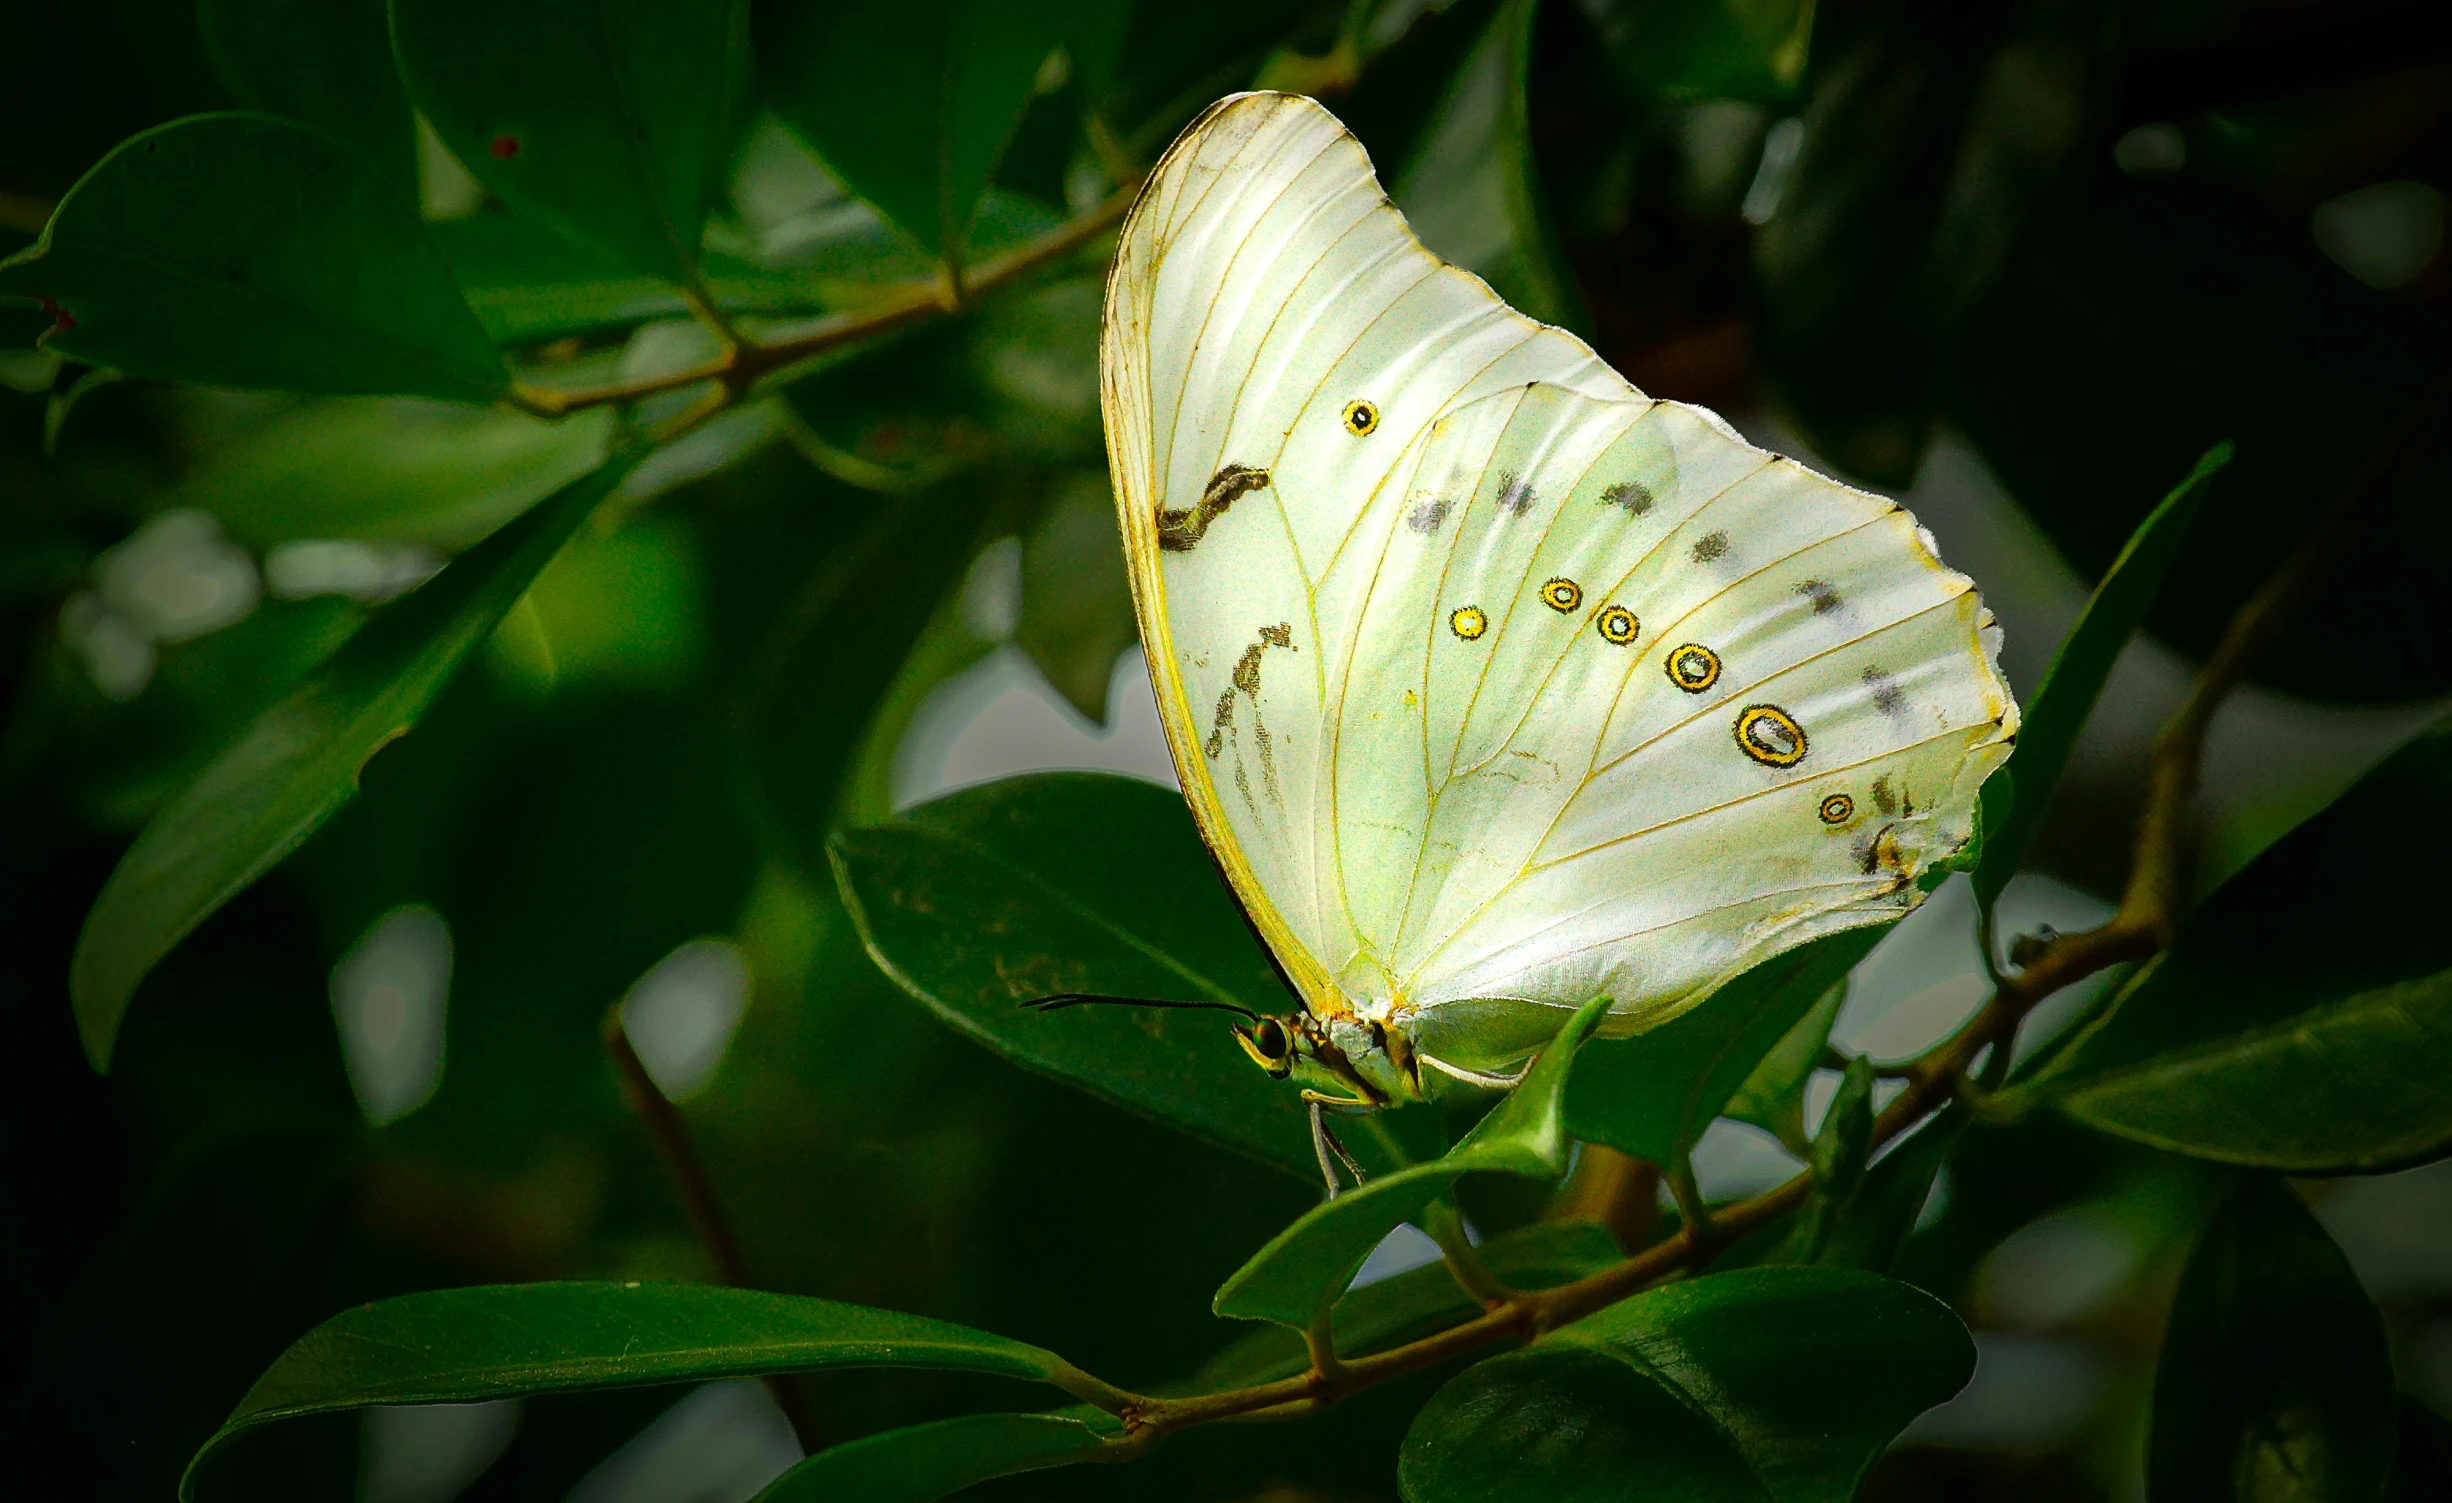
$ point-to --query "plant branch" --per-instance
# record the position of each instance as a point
(745, 364)
(706, 1213)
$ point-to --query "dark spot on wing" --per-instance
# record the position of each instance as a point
(1632, 497)
(1515, 496)
(1709, 546)
(1888, 697)
(1247, 683)
(1883, 798)
(1427, 515)
(1823, 594)
(1178, 531)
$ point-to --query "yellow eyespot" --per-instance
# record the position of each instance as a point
(1361, 418)
(1838, 809)
(1562, 595)
(1693, 667)
(1771, 736)
(1617, 624)
(1468, 622)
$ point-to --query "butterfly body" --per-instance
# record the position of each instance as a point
(1493, 684)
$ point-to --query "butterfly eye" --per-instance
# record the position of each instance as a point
(1361, 418)
(1270, 1036)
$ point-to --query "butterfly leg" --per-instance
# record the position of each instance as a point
(1319, 1145)
(1324, 1142)
(1478, 1077)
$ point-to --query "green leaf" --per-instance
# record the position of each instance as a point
(326, 63)
(1871, 1230)
(2061, 704)
(983, 899)
(1567, 1424)
(611, 120)
(1305, 1267)
(1707, 49)
(457, 1346)
(240, 250)
(392, 468)
(1773, 1096)
(530, 284)
(1470, 187)
(1837, 1156)
(1652, 1095)
(911, 102)
(1417, 1302)
(1846, 1135)
(2275, 1381)
(920, 1463)
(299, 761)
(1775, 1384)
(2303, 1019)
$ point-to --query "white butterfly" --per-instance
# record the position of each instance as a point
(1494, 685)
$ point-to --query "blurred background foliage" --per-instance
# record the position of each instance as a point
(2019, 262)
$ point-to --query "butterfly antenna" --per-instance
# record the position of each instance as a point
(1063, 1000)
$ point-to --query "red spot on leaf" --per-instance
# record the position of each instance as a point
(61, 319)
(503, 147)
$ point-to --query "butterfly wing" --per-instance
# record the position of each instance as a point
(1669, 704)
(1262, 287)
(1413, 573)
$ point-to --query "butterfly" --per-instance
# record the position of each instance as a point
(1494, 685)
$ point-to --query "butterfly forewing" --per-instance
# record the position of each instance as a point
(1492, 681)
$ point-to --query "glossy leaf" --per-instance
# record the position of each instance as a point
(457, 1346)
(1652, 1095)
(1707, 49)
(1779, 1384)
(1470, 187)
(396, 469)
(911, 102)
(986, 898)
(530, 284)
(1871, 1230)
(611, 120)
(921, 1463)
(2275, 1381)
(241, 250)
(327, 63)
(2061, 704)
(1305, 1267)
(2313, 1039)
(1773, 1096)
(299, 761)
(1417, 1302)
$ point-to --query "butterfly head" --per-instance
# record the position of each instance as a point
(1358, 1061)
